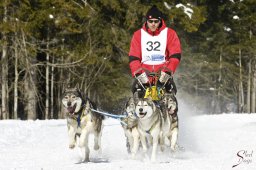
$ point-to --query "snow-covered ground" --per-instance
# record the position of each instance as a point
(211, 142)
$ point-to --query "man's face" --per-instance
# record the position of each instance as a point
(153, 24)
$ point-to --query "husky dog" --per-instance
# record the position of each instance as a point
(81, 121)
(130, 130)
(149, 124)
(170, 123)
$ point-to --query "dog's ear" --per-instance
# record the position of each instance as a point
(149, 98)
(153, 106)
(151, 102)
(64, 89)
(83, 94)
(127, 103)
(164, 100)
(136, 100)
(131, 100)
(87, 105)
(130, 103)
(77, 87)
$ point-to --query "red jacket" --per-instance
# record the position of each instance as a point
(172, 52)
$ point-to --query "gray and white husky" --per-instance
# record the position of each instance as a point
(81, 121)
(130, 129)
(149, 124)
(170, 126)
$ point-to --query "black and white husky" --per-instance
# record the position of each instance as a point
(81, 121)
(149, 124)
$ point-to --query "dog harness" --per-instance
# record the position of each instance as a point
(78, 117)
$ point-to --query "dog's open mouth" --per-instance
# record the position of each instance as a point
(71, 109)
(171, 111)
(142, 114)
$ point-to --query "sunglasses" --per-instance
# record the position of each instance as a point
(153, 21)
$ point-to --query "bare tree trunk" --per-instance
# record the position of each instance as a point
(249, 88)
(4, 77)
(30, 95)
(218, 108)
(15, 106)
(61, 86)
(60, 90)
(1, 97)
(241, 92)
(30, 92)
(47, 83)
(52, 90)
(253, 79)
(4, 82)
(253, 90)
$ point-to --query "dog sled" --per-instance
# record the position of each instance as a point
(153, 88)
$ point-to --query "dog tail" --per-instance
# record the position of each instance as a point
(94, 106)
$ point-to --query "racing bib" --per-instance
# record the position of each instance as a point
(153, 47)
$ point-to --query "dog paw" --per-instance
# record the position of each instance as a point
(96, 147)
(133, 156)
(86, 160)
(153, 160)
(174, 148)
(71, 146)
(162, 148)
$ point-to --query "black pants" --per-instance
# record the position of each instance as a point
(170, 86)
(137, 89)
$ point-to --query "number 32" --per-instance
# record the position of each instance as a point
(153, 46)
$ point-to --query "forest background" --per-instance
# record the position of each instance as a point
(48, 45)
